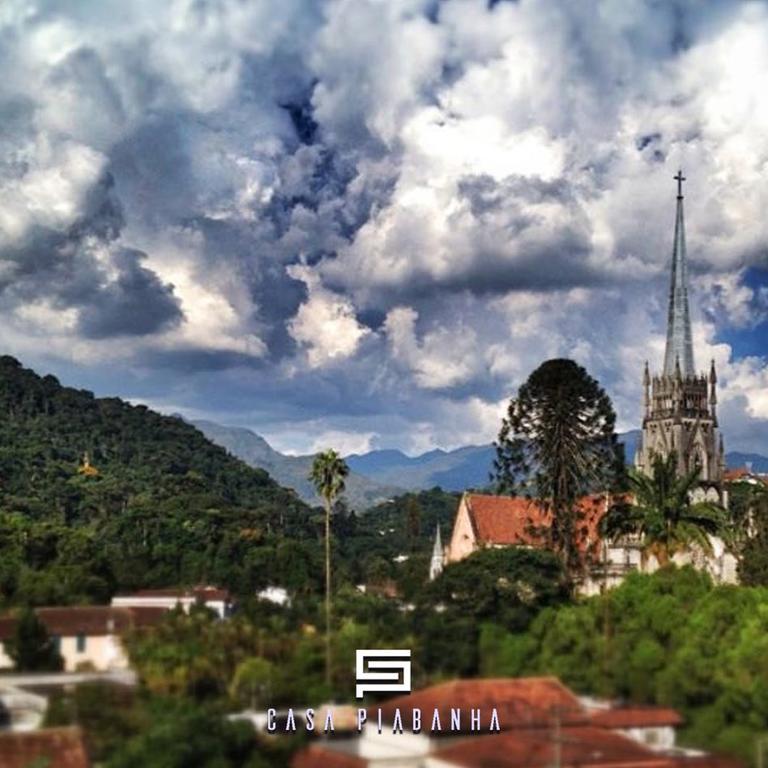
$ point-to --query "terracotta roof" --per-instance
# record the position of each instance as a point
(636, 717)
(507, 521)
(520, 702)
(52, 748)
(89, 620)
(732, 475)
(585, 747)
(316, 756)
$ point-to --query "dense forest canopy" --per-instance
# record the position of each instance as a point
(97, 494)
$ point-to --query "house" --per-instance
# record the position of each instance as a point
(87, 636)
(484, 521)
(218, 600)
(541, 723)
(48, 748)
(745, 475)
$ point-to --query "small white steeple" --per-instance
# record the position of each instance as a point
(436, 563)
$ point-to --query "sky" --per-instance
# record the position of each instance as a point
(363, 223)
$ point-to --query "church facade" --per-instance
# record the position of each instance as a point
(680, 404)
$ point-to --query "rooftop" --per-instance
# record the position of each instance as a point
(520, 702)
(317, 755)
(89, 620)
(585, 747)
(508, 521)
(199, 592)
(636, 717)
(51, 748)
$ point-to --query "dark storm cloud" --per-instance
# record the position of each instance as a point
(55, 263)
(506, 214)
(135, 303)
(64, 267)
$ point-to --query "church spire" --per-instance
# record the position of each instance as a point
(436, 564)
(679, 337)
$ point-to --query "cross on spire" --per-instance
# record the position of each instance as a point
(678, 358)
(679, 179)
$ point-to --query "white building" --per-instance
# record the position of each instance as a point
(87, 637)
(217, 600)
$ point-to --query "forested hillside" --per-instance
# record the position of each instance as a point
(97, 494)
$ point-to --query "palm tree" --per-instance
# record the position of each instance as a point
(327, 475)
(664, 515)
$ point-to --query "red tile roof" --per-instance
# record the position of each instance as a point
(636, 717)
(585, 747)
(89, 620)
(507, 521)
(316, 756)
(733, 475)
(52, 748)
(520, 702)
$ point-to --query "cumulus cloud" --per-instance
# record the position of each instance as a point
(325, 325)
(443, 358)
(369, 221)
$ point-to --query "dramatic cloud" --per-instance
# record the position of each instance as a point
(366, 222)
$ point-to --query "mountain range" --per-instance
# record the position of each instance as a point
(293, 471)
(381, 474)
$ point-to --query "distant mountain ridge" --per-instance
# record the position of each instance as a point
(755, 461)
(293, 471)
(457, 470)
(380, 474)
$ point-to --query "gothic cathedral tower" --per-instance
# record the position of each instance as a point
(680, 405)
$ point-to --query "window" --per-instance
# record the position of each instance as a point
(81, 640)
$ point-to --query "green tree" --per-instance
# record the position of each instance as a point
(505, 587)
(508, 586)
(753, 564)
(182, 736)
(663, 513)
(413, 520)
(327, 475)
(252, 681)
(32, 649)
(557, 443)
(109, 713)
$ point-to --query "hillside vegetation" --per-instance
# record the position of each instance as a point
(97, 494)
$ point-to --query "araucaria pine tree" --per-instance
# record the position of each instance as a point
(557, 444)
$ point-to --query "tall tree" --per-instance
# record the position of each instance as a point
(327, 475)
(32, 649)
(556, 444)
(753, 563)
(663, 513)
(413, 520)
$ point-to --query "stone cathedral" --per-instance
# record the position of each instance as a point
(680, 405)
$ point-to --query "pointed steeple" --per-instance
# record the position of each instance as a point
(436, 564)
(679, 337)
